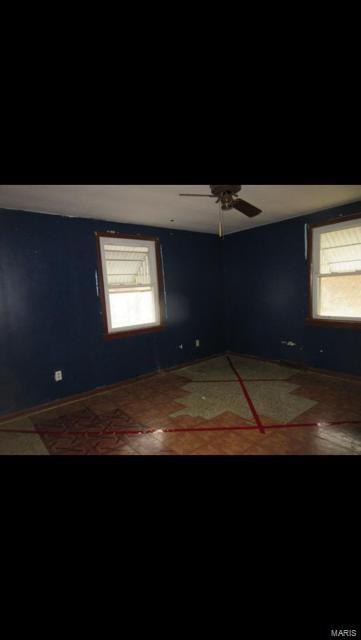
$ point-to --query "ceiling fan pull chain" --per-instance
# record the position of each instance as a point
(220, 221)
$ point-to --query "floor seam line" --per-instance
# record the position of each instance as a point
(247, 396)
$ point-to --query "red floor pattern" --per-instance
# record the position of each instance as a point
(137, 418)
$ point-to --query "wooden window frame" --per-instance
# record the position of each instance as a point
(325, 322)
(113, 335)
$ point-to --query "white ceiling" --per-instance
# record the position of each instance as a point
(161, 206)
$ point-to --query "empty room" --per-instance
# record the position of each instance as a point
(180, 320)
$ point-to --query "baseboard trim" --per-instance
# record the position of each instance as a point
(48, 406)
(301, 367)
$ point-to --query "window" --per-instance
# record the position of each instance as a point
(335, 272)
(131, 284)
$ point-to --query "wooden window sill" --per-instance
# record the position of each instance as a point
(342, 324)
(133, 332)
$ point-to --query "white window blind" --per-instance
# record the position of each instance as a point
(130, 283)
(336, 274)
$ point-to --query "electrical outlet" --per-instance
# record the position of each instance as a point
(58, 375)
(197, 343)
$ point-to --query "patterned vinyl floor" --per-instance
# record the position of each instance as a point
(224, 405)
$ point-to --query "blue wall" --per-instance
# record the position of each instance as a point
(50, 313)
(266, 298)
(247, 293)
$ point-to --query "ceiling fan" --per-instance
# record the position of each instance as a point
(226, 195)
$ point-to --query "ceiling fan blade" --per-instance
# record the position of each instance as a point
(198, 195)
(245, 207)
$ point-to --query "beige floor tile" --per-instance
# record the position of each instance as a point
(12, 443)
(275, 399)
(209, 400)
(252, 368)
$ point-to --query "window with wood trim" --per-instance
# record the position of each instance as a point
(335, 272)
(131, 284)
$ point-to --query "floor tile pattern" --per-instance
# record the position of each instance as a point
(199, 410)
